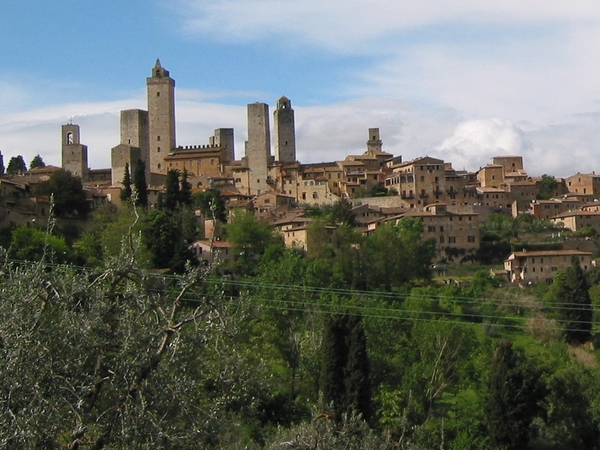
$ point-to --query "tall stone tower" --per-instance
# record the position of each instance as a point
(285, 132)
(374, 143)
(74, 153)
(223, 137)
(161, 117)
(258, 147)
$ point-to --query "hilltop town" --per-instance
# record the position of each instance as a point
(275, 186)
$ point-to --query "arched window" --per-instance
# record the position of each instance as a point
(69, 137)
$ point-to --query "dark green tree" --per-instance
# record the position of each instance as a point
(342, 214)
(357, 372)
(16, 165)
(67, 189)
(211, 203)
(572, 294)
(32, 244)
(185, 192)
(345, 381)
(512, 402)
(37, 161)
(140, 184)
(250, 239)
(2, 168)
(126, 191)
(165, 239)
(546, 187)
(334, 351)
(172, 192)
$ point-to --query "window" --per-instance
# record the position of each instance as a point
(441, 239)
(158, 138)
(451, 240)
(471, 239)
(431, 228)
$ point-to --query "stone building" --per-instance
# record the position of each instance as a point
(74, 153)
(542, 266)
(456, 234)
(161, 117)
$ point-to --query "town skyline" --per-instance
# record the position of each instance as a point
(461, 84)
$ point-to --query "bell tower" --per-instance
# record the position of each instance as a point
(161, 117)
(74, 153)
(285, 133)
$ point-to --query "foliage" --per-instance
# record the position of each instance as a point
(512, 401)
(185, 192)
(164, 237)
(139, 183)
(16, 165)
(126, 191)
(32, 244)
(37, 161)
(546, 187)
(116, 359)
(342, 214)
(570, 420)
(67, 191)
(210, 203)
(323, 433)
(170, 197)
(570, 292)
(250, 239)
(345, 381)
(377, 190)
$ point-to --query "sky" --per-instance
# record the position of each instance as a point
(458, 80)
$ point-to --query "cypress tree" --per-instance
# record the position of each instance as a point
(357, 371)
(139, 181)
(576, 304)
(126, 192)
(185, 193)
(172, 193)
(345, 368)
(334, 353)
(512, 400)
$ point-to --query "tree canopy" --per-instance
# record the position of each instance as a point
(37, 161)
(16, 164)
(67, 191)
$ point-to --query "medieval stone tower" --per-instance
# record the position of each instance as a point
(161, 117)
(74, 153)
(258, 147)
(284, 130)
(134, 144)
(223, 137)
(374, 143)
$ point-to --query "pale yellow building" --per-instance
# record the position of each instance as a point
(542, 266)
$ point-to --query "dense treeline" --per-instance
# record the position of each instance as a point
(349, 345)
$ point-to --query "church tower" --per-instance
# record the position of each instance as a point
(161, 117)
(74, 153)
(374, 143)
(285, 133)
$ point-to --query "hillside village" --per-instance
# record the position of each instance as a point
(216, 301)
(452, 204)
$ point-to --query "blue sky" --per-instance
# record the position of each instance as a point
(461, 80)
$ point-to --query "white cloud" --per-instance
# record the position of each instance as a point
(352, 25)
(474, 142)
